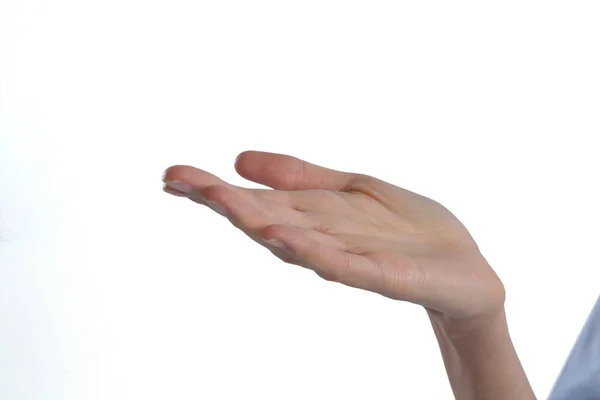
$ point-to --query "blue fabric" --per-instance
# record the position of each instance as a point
(580, 377)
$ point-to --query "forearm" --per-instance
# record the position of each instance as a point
(480, 358)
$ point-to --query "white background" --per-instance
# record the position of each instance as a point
(112, 289)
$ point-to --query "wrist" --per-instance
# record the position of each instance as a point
(480, 358)
(489, 324)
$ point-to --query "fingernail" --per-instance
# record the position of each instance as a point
(180, 186)
(276, 243)
(216, 207)
(172, 191)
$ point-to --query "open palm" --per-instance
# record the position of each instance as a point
(353, 229)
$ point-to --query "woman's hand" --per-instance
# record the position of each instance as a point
(353, 229)
(366, 233)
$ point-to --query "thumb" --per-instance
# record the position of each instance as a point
(283, 172)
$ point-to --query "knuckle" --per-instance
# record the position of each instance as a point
(346, 263)
(338, 273)
(360, 180)
(213, 193)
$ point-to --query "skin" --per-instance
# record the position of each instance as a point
(363, 232)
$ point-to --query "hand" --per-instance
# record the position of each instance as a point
(353, 229)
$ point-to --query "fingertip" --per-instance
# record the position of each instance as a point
(270, 169)
(237, 162)
(243, 162)
(176, 172)
(242, 155)
(166, 173)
